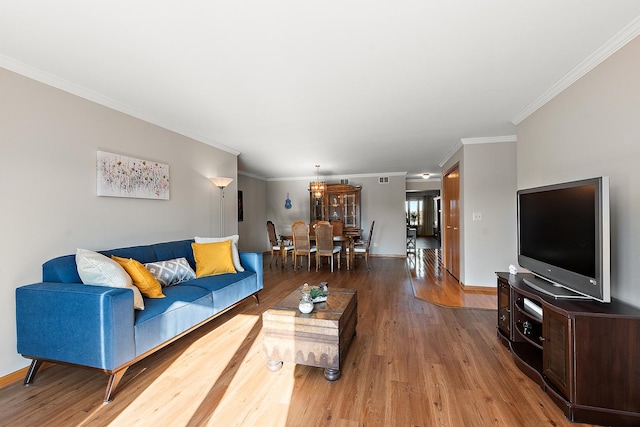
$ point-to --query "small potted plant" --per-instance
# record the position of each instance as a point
(318, 295)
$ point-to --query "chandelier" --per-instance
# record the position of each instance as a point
(317, 187)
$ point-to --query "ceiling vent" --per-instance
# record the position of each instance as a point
(383, 180)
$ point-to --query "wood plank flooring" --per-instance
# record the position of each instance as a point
(412, 363)
(431, 282)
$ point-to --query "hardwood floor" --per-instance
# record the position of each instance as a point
(432, 283)
(412, 363)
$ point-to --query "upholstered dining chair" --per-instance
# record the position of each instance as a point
(277, 245)
(301, 243)
(324, 244)
(338, 227)
(361, 250)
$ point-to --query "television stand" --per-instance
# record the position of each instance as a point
(583, 354)
(552, 289)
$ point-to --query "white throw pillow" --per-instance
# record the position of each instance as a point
(98, 270)
(234, 247)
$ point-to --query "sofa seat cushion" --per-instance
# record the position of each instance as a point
(227, 289)
(183, 307)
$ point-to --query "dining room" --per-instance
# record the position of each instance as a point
(289, 200)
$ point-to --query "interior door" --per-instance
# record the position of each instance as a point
(451, 219)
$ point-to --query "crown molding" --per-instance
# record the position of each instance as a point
(251, 175)
(489, 139)
(450, 153)
(624, 36)
(480, 140)
(82, 92)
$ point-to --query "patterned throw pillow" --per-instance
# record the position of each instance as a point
(171, 272)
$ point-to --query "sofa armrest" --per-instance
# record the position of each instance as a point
(252, 261)
(76, 323)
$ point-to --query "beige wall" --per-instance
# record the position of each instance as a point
(593, 129)
(253, 230)
(490, 190)
(487, 187)
(48, 144)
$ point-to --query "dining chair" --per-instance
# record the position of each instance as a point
(338, 226)
(301, 243)
(324, 244)
(361, 250)
(411, 239)
(277, 245)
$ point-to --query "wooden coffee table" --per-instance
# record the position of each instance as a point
(320, 338)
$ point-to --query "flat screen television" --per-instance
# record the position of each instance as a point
(563, 238)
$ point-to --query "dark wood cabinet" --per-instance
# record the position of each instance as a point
(340, 202)
(504, 309)
(557, 350)
(584, 354)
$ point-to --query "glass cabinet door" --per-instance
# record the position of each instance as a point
(317, 209)
(350, 208)
(335, 202)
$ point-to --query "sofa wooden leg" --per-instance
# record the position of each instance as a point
(255, 296)
(114, 380)
(33, 370)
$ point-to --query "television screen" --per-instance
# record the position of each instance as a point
(563, 237)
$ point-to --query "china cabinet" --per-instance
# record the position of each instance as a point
(340, 202)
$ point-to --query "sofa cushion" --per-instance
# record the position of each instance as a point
(141, 277)
(234, 247)
(213, 258)
(96, 269)
(227, 289)
(176, 249)
(163, 319)
(171, 272)
(144, 253)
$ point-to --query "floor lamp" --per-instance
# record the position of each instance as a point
(221, 182)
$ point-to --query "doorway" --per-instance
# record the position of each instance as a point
(451, 220)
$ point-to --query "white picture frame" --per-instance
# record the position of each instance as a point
(123, 176)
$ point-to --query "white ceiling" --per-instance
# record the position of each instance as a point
(359, 87)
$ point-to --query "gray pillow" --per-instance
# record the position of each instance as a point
(171, 272)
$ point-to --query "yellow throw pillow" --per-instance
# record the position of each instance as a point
(141, 277)
(213, 258)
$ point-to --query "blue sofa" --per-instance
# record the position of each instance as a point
(61, 320)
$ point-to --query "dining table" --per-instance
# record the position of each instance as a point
(344, 241)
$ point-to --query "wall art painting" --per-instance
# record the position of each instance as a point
(122, 176)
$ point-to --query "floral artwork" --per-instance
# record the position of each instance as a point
(122, 176)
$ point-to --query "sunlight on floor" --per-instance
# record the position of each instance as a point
(199, 403)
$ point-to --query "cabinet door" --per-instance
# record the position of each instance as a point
(335, 207)
(504, 308)
(317, 209)
(557, 351)
(350, 210)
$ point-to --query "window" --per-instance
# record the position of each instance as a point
(415, 212)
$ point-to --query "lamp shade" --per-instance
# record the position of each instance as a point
(221, 181)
